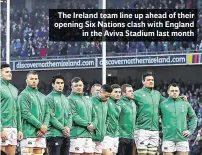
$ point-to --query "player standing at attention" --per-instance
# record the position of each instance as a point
(84, 120)
(58, 140)
(127, 121)
(10, 125)
(100, 105)
(175, 114)
(111, 140)
(35, 116)
(147, 125)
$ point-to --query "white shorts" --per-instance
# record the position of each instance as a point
(33, 143)
(146, 141)
(111, 143)
(81, 145)
(98, 147)
(170, 146)
(12, 137)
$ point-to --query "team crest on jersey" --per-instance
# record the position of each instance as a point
(182, 108)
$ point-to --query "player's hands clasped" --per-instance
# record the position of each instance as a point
(90, 127)
(43, 129)
(20, 135)
(4, 135)
(186, 133)
(66, 131)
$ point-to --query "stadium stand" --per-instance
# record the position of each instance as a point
(29, 31)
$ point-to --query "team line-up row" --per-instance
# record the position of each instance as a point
(111, 121)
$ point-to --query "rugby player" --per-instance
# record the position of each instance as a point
(10, 125)
(175, 113)
(84, 120)
(35, 117)
(58, 140)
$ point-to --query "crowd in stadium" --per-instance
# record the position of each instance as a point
(29, 31)
(29, 39)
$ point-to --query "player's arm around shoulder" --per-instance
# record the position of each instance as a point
(162, 98)
(164, 111)
(165, 101)
(136, 95)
